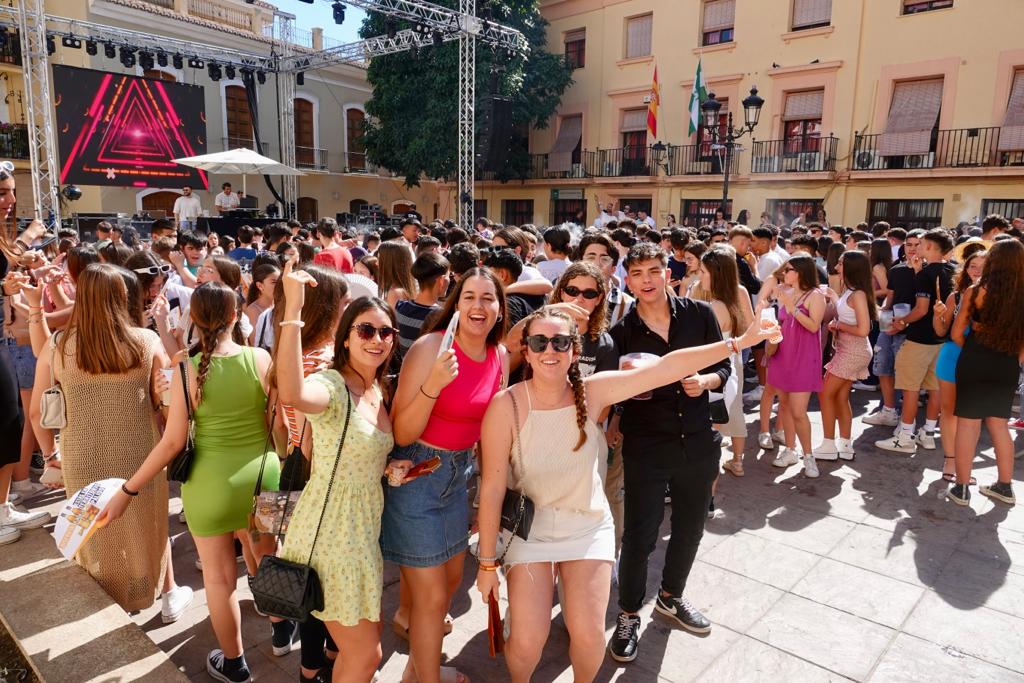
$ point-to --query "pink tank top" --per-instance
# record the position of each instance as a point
(454, 422)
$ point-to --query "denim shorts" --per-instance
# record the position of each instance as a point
(24, 364)
(426, 522)
(888, 346)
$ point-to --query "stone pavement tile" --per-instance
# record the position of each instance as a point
(728, 598)
(833, 493)
(996, 544)
(761, 559)
(810, 531)
(860, 592)
(910, 660)
(835, 640)
(993, 636)
(969, 581)
(751, 660)
(901, 557)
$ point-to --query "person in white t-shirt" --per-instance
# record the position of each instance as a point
(187, 209)
(557, 244)
(642, 217)
(226, 200)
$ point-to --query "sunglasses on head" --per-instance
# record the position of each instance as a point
(6, 169)
(366, 332)
(560, 342)
(154, 270)
(574, 292)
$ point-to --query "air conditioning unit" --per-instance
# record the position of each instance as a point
(810, 161)
(612, 169)
(919, 160)
(868, 161)
(576, 171)
(766, 165)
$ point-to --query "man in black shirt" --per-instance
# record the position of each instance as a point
(507, 265)
(667, 441)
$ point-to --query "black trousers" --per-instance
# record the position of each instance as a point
(687, 467)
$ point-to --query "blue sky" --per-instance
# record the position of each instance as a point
(319, 14)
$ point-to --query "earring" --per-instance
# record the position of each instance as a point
(498, 319)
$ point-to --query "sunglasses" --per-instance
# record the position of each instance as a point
(560, 342)
(6, 169)
(576, 291)
(604, 260)
(154, 270)
(366, 332)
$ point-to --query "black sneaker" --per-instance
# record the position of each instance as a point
(229, 671)
(683, 613)
(38, 464)
(284, 636)
(999, 491)
(322, 676)
(623, 646)
(959, 494)
(711, 508)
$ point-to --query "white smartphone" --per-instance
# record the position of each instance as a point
(449, 335)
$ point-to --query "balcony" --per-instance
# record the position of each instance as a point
(228, 15)
(13, 141)
(232, 142)
(311, 158)
(697, 160)
(675, 160)
(953, 148)
(810, 155)
(10, 49)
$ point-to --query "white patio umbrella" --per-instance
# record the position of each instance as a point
(241, 161)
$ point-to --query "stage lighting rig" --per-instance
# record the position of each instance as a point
(391, 27)
(91, 48)
(338, 11)
(127, 57)
(178, 61)
(195, 63)
(300, 78)
(261, 77)
(229, 72)
(214, 71)
(161, 58)
(146, 61)
(51, 46)
(72, 42)
(437, 37)
(109, 50)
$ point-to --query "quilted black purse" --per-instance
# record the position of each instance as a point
(181, 466)
(291, 590)
(516, 509)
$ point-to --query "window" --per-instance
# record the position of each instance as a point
(638, 36)
(576, 49)
(811, 14)
(634, 142)
(565, 210)
(906, 213)
(785, 211)
(801, 121)
(719, 18)
(915, 6)
(1011, 135)
(304, 132)
(356, 206)
(1009, 208)
(697, 212)
(567, 148)
(516, 211)
(479, 208)
(356, 150)
(239, 122)
(704, 140)
(913, 118)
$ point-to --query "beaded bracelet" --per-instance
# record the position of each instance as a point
(296, 323)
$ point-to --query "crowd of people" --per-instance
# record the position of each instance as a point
(594, 371)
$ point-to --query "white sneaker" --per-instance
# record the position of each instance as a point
(845, 448)
(926, 439)
(899, 443)
(754, 395)
(765, 441)
(779, 436)
(22, 520)
(174, 603)
(786, 457)
(9, 534)
(861, 386)
(14, 498)
(826, 451)
(883, 418)
(810, 467)
(27, 489)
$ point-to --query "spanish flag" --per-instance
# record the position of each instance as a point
(652, 107)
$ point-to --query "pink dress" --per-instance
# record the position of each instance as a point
(796, 365)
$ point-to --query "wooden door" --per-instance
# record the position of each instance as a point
(160, 201)
(307, 210)
(304, 136)
(354, 142)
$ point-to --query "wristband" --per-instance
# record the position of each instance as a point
(296, 323)
(486, 559)
(52, 457)
(433, 398)
(488, 568)
(127, 492)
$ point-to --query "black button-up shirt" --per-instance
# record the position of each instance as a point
(669, 414)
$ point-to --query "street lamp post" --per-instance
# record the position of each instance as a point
(727, 139)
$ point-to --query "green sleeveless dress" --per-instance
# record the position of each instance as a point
(230, 437)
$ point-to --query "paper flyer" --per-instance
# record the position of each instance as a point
(449, 335)
(77, 520)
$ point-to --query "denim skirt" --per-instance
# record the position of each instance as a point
(426, 522)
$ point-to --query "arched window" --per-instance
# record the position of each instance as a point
(308, 210)
(354, 119)
(356, 205)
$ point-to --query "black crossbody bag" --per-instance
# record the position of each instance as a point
(291, 590)
(181, 466)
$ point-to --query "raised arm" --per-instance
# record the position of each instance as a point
(310, 398)
(540, 287)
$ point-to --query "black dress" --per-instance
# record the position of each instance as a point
(11, 415)
(986, 380)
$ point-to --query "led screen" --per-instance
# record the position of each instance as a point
(124, 131)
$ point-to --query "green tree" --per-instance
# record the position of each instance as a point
(413, 112)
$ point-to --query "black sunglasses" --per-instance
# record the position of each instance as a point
(560, 342)
(366, 332)
(576, 291)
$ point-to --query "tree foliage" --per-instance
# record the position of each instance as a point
(412, 127)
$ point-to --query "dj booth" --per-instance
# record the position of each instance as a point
(228, 225)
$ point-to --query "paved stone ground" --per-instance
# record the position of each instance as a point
(863, 574)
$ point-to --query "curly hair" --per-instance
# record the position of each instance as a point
(598, 321)
(962, 281)
(214, 309)
(575, 378)
(1000, 324)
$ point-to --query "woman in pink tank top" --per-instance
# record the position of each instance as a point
(437, 412)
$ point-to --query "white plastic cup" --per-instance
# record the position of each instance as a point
(631, 361)
(768, 319)
(901, 310)
(885, 319)
(165, 396)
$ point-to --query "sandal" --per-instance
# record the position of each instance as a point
(733, 467)
(950, 477)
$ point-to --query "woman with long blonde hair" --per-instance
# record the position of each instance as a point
(395, 282)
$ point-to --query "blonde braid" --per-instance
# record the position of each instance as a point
(576, 380)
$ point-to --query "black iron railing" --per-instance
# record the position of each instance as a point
(796, 155)
(697, 160)
(13, 141)
(950, 148)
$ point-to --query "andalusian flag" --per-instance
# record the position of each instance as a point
(697, 97)
(652, 107)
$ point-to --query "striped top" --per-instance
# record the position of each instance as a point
(410, 321)
(312, 363)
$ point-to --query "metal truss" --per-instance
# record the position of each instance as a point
(285, 26)
(467, 119)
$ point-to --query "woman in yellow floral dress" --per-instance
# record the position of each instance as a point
(347, 555)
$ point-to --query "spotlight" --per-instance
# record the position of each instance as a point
(161, 58)
(214, 71)
(195, 63)
(300, 78)
(391, 27)
(146, 61)
(71, 41)
(338, 11)
(71, 193)
(127, 57)
(308, 2)
(51, 46)
(261, 77)
(229, 72)
(91, 48)
(438, 38)
(109, 50)
(178, 61)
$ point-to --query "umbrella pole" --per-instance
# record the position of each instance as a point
(244, 176)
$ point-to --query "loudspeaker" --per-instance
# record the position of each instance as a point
(495, 133)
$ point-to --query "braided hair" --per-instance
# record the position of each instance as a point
(213, 308)
(575, 378)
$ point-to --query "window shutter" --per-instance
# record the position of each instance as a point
(811, 13)
(1011, 137)
(914, 111)
(569, 134)
(719, 14)
(801, 106)
(638, 36)
(634, 120)
(573, 36)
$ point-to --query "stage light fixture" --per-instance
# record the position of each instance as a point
(146, 61)
(438, 38)
(109, 50)
(127, 57)
(214, 71)
(91, 48)
(51, 46)
(229, 72)
(72, 42)
(161, 58)
(177, 61)
(338, 11)
(391, 27)
(195, 63)
(308, 2)
(300, 78)
(261, 77)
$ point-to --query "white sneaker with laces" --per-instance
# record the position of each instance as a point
(9, 516)
(845, 448)
(883, 418)
(754, 395)
(900, 442)
(28, 489)
(779, 436)
(786, 457)
(810, 467)
(765, 441)
(827, 450)
(173, 603)
(926, 439)
(9, 534)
